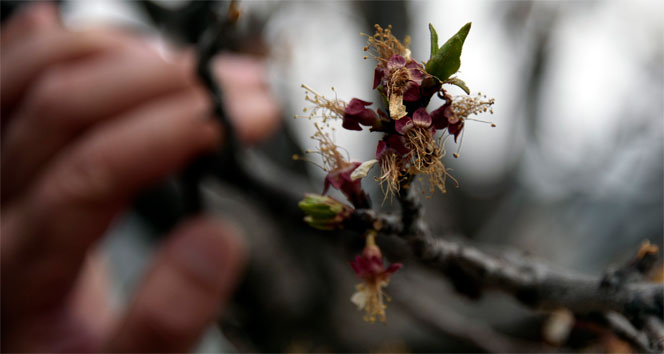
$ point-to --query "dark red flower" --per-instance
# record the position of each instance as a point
(372, 267)
(420, 119)
(369, 266)
(341, 179)
(444, 117)
(356, 113)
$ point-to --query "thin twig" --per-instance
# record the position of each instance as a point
(624, 329)
(439, 318)
(654, 329)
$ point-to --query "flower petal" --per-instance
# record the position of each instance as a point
(356, 113)
(360, 298)
(412, 92)
(398, 143)
(362, 170)
(395, 61)
(380, 149)
(350, 124)
(439, 116)
(356, 106)
(379, 73)
(397, 108)
(455, 129)
(422, 118)
(393, 268)
(404, 124)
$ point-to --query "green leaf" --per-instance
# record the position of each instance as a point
(458, 82)
(447, 59)
(434, 41)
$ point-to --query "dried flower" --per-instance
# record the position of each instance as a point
(389, 154)
(369, 266)
(425, 152)
(398, 76)
(338, 168)
(453, 114)
(356, 113)
(323, 108)
(400, 81)
(353, 113)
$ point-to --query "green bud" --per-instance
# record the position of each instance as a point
(323, 212)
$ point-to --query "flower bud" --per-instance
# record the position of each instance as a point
(323, 212)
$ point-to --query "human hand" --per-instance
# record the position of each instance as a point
(90, 118)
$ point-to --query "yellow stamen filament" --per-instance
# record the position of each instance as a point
(464, 106)
(324, 108)
(370, 298)
(329, 152)
(391, 175)
(384, 45)
(425, 157)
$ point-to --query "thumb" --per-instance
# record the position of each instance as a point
(192, 277)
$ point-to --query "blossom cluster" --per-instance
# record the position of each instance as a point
(412, 144)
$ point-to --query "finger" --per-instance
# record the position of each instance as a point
(249, 102)
(192, 277)
(71, 98)
(74, 202)
(29, 57)
(90, 301)
(29, 20)
(254, 114)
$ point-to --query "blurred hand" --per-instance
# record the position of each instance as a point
(88, 119)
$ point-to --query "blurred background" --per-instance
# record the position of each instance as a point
(573, 173)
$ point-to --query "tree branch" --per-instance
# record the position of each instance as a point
(533, 283)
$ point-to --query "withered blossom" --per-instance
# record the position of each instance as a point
(413, 143)
(425, 151)
(338, 169)
(453, 114)
(375, 276)
(390, 154)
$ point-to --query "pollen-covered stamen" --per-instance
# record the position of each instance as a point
(426, 156)
(423, 147)
(324, 108)
(391, 169)
(370, 298)
(464, 106)
(384, 45)
(329, 152)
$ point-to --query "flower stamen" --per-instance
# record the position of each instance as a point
(385, 45)
(324, 108)
(392, 175)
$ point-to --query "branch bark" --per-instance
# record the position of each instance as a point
(533, 283)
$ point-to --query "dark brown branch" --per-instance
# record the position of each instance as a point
(533, 283)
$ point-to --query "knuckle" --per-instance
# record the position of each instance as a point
(85, 179)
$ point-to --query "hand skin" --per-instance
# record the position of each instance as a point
(89, 119)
